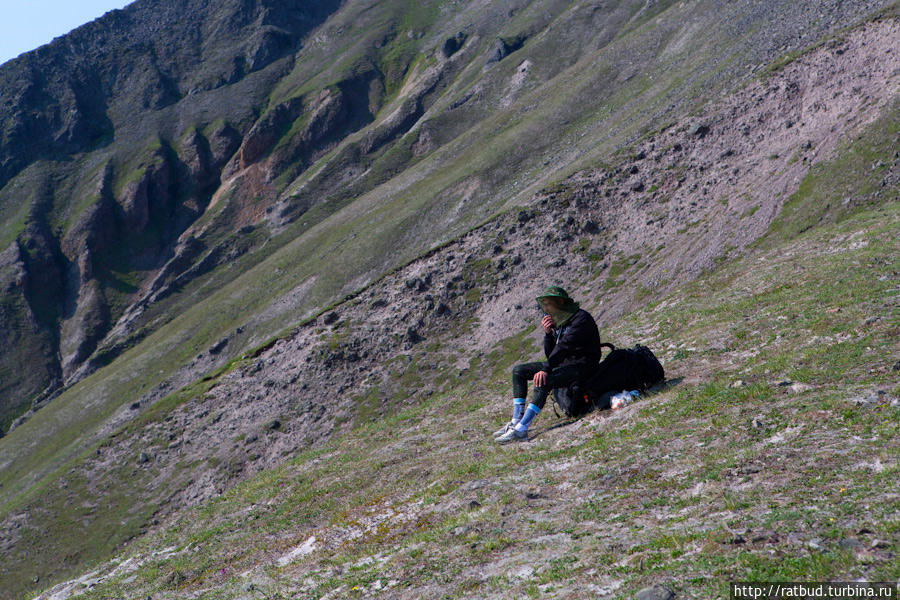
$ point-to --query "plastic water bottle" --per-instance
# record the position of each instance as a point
(623, 398)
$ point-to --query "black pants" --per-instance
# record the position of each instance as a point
(559, 377)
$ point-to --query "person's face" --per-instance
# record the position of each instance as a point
(550, 305)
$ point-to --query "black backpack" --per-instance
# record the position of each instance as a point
(623, 369)
(571, 400)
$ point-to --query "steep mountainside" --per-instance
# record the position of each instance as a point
(153, 155)
(103, 163)
(238, 230)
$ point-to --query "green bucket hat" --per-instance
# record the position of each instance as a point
(554, 291)
(562, 315)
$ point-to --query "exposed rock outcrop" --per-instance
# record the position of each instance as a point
(25, 340)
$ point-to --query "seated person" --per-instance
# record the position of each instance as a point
(572, 347)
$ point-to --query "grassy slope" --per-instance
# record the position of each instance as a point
(376, 221)
(767, 318)
(697, 485)
(123, 382)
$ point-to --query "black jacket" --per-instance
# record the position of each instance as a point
(575, 343)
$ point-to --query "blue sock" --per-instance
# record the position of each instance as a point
(530, 413)
(518, 409)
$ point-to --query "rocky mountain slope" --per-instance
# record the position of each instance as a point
(148, 152)
(104, 163)
(368, 231)
(770, 455)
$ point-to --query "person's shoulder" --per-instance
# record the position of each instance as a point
(584, 316)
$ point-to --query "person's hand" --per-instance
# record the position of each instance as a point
(540, 379)
(547, 324)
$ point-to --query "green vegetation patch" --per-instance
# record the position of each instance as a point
(858, 177)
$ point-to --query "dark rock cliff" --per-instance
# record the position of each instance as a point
(98, 92)
(74, 93)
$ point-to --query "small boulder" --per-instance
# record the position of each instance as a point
(497, 52)
(873, 398)
(452, 44)
(218, 346)
(655, 592)
(415, 283)
(449, 47)
(698, 129)
(412, 336)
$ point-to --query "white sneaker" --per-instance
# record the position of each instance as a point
(512, 435)
(503, 430)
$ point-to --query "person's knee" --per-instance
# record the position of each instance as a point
(519, 371)
(538, 401)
